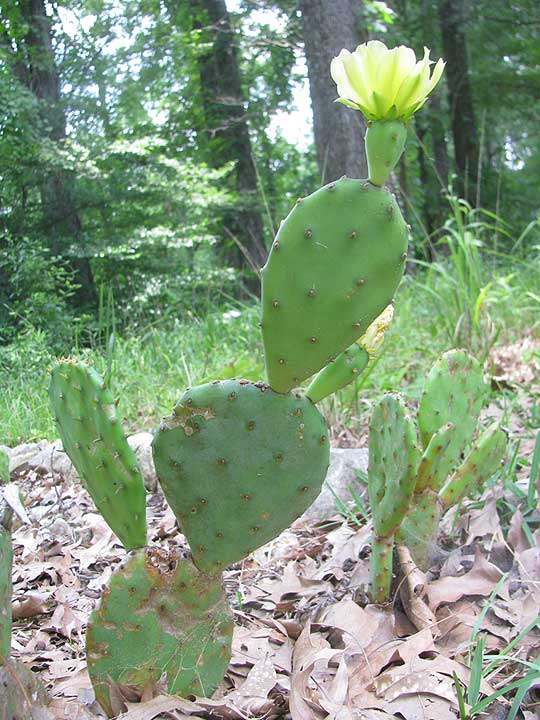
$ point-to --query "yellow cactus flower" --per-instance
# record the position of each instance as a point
(373, 338)
(384, 84)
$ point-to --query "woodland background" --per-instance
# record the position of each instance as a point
(145, 165)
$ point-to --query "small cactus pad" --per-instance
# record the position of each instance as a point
(238, 463)
(6, 559)
(345, 368)
(453, 392)
(481, 463)
(393, 457)
(334, 266)
(92, 436)
(442, 455)
(420, 527)
(385, 141)
(159, 621)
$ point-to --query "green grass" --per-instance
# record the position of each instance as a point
(149, 370)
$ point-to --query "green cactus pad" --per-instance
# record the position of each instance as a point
(238, 463)
(334, 267)
(441, 456)
(453, 392)
(393, 458)
(338, 374)
(6, 560)
(92, 436)
(481, 463)
(420, 527)
(159, 621)
(385, 141)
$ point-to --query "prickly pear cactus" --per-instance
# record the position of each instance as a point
(334, 266)
(447, 418)
(4, 467)
(454, 391)
(92, 436)
(393, 458)
(159, 620)
(238, 463)
(420, 526)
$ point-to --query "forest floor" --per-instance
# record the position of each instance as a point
(307, 644)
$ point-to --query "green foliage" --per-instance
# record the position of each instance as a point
(35, 292)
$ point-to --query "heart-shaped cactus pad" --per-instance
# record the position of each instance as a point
(238, 463)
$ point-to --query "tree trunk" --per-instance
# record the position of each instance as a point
(227, 133)
(339, 131)
(60, 216)
(452, 19)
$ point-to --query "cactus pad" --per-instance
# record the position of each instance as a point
(338, 374)
(4, 467)
(441, 456)
(160, 620)
(238, 463)
(419, 529)
(334, 266)
(453, 392)
(393, 457)
(92, 436)
(6, 559)
(481, 463)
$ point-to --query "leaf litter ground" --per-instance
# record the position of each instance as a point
(307, 644)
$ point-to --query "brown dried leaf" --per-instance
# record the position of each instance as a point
(516, 537)
(30, 605)
(480, 580)
(161, 704)
(411, 591)
(252, 695)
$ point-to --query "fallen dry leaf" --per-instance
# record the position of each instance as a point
(30, 605)
(480, 580)
(412, 587)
